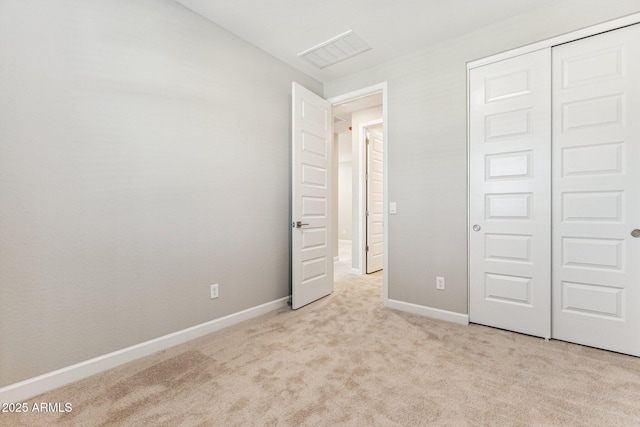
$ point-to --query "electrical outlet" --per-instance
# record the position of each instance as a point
(214, 291)
(440, 283)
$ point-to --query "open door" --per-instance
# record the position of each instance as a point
(375, 196)
(312, 146)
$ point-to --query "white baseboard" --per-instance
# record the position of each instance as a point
(32, 387)
(434, 313)
(356, 271)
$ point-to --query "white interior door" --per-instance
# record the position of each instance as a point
(375, 200)
(509, 185)
(596, 182)
(312, 259)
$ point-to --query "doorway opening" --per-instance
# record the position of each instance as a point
(314, 204)
(359, 198)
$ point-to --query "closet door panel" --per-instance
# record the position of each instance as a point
(509, 186)
(596, 191)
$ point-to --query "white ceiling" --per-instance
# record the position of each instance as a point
(285, 28)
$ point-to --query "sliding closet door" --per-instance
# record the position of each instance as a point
(596, 183)
(509, 186)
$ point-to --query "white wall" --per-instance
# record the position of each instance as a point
(426, 145)
(144, 154)
(345, 190)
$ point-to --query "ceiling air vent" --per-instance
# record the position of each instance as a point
(335, 50)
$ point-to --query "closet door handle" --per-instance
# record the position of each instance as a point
(476, 227)
(635, 233)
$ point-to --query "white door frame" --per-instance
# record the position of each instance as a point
(603, 27)
(370, 90)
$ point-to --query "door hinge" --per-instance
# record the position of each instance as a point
(367, 140)
(366, 213)
(366, 248)
(366, 177)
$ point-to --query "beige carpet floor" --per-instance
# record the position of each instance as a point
(347, 361)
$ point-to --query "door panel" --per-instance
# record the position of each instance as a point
(596, 131)
(510, 131)
(312, 260)
(375, 196)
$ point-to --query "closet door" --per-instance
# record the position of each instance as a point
(596, 183)
(509, 187)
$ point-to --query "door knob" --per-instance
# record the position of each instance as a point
(476, 227)
(299, 224)
(636, 233)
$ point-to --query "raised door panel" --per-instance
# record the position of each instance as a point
(596, 198)
(509, 230)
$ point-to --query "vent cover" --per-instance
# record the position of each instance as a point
(337, 49)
